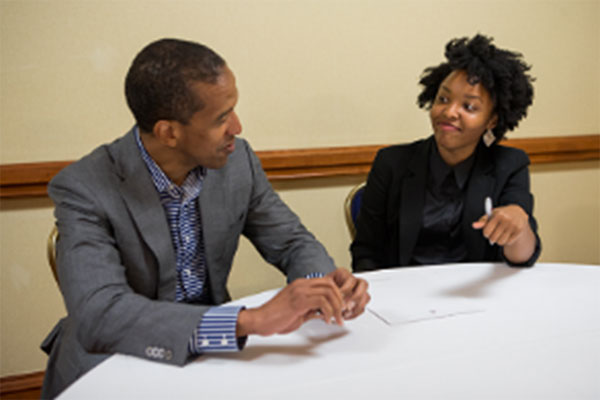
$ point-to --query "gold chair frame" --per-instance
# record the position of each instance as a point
(348, 208)
(51, 251)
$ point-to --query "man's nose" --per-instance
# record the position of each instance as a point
(235, 126)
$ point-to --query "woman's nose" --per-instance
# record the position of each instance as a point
(451, 111)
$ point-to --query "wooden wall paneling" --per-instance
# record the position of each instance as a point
(31, 179)
(23, 386)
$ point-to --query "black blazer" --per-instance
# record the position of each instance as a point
(391, 213)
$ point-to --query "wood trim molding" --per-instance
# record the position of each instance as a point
(31, 179)
(22, 386)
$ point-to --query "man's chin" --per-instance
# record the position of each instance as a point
(217, 163)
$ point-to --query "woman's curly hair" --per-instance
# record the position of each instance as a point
(501, 72)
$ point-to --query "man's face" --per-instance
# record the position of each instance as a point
(209, 136)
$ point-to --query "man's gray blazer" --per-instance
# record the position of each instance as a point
(116, 264)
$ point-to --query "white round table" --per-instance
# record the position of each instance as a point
(463, 331)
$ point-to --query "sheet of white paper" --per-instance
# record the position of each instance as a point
(406, 314)
(394, 307)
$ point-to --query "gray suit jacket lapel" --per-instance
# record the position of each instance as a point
(144, 205)
(217, 202)
(413, 201)
(214, 223)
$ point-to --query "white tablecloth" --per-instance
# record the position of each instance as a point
(465, 331)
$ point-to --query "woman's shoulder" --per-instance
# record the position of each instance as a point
(509, 155)
(396, 150)
(397, 158)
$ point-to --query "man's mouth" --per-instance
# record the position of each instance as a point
(230, 147)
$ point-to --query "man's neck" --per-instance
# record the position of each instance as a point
(165, 158)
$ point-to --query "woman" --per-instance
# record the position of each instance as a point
(424, 201)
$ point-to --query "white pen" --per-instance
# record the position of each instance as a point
(488, 206)
(488, 210)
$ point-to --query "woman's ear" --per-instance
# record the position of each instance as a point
(492, 122)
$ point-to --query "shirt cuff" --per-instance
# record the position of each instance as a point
(216, 331)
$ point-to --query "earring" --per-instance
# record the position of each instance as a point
(489, 138)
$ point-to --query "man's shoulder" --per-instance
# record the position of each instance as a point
(86, 164)
(100, 161)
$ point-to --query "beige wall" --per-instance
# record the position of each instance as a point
(311, 73)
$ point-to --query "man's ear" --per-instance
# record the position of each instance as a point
(166, 132)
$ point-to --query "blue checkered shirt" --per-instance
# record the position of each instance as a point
(216, 330)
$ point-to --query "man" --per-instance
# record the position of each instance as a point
(149, 225)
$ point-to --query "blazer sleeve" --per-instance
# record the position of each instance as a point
(108, 316)
(516, 190)
(277, 233)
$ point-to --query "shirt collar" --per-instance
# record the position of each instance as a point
(191, 186)
(439, 169)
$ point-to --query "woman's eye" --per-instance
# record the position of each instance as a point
(470, 107)
(442, 99)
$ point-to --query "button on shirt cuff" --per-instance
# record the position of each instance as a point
(310, 275)
(315, 275)
(216, 331)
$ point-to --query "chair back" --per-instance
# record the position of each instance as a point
(51, 251)
(352, 207)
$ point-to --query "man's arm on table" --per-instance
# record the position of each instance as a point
(282, 240)
(335, 297)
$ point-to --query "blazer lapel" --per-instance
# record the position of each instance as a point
(412, 201)
(143, 202)
(214, 219)
(213, 203)
(481, 184)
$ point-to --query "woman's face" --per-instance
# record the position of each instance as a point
(460, 114)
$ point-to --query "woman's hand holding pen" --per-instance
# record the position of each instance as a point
(504, 226)
(508, 226)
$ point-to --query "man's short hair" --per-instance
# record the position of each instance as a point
(157, 85)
